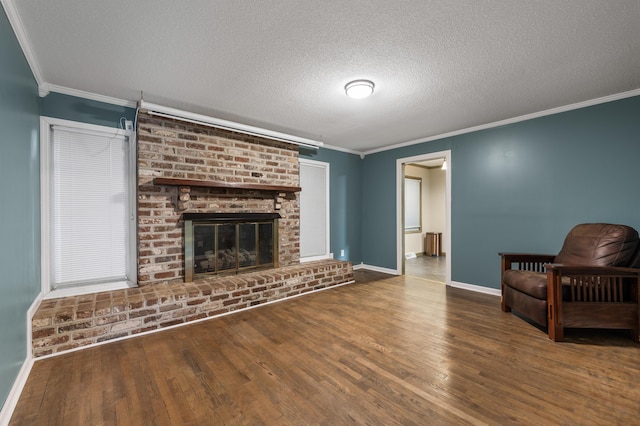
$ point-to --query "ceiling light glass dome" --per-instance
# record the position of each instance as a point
(359, 89)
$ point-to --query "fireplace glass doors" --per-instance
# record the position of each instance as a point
(229, 243)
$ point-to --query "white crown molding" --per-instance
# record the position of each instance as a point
(347, 150)
(43, 89)
(591, 102)
(88, 95)
(169, 112)
(18, 28)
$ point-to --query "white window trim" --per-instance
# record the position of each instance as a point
(45, 209)
(327, 254)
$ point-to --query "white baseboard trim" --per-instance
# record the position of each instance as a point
(476, 288)
(376, 269)
(16, 390)
(464, 286)
(23, 374)
(30, 313)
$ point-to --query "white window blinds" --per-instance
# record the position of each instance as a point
(89, 206)
(314, 209)
(412, 204)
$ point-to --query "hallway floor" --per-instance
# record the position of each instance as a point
(428, 267)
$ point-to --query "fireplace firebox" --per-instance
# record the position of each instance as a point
(229, 243)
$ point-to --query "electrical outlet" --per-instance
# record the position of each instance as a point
(128, 125)
(341, 253)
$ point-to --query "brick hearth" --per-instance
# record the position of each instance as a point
(72, 322)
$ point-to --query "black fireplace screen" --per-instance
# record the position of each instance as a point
(228, 244)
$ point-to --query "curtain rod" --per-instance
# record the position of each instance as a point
(190, 117)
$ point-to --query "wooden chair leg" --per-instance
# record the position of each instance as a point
(554, 307)
(504, 306)
(554, 321)
(556, 333)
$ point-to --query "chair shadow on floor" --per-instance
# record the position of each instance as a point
(586, 336)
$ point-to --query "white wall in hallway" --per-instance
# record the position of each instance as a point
(433, 207)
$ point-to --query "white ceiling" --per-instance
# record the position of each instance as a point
(439, 66)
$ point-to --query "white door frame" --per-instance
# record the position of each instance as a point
(400, 163)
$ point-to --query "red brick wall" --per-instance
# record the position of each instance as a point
(175, 149)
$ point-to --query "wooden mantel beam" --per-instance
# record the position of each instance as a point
(224, 185)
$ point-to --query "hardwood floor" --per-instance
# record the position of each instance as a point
(383, 351)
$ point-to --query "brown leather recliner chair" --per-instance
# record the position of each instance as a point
(592, 283)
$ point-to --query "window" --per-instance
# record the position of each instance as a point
(314, 210)
(88, 207)
(412, 204)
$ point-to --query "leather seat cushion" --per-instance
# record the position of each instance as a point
(532, 283)
(528, 306)
(598, 244)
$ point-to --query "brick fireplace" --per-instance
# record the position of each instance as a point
(185, 170)
(190, 168)
(229, 243)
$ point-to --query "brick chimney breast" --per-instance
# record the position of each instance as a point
(170, 148)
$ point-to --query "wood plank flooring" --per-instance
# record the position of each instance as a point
(383, 351)
(428, 267)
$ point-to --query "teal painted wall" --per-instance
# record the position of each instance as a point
(518, 187)
(19, 205)
(345, 175)
(72, 108)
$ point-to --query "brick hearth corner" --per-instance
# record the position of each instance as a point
(72, 322)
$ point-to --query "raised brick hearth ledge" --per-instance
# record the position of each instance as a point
(71, 322)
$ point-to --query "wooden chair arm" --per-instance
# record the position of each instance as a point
(590, 271)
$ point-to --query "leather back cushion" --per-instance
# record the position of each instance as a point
(635, 259)
(599, 244)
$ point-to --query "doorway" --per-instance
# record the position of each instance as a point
(433, 227)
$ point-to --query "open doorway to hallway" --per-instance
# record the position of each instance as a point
(427, 267)
(426, 206)
(424, 216)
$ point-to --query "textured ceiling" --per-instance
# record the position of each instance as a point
(439, 66)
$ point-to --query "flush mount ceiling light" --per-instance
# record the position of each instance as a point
(358, 89)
